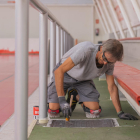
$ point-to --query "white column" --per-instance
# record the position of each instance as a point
(93, 24)
(126, 18)
(21, 69)
(66, 42)
(57, 44)
(70, 42)
(106, 23)
(116, 18)
(52, 47)
(136, 7)
(109, 19)
(102, 22)
(62, 42)
(43, 67)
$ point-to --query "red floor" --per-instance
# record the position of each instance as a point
(7, 68)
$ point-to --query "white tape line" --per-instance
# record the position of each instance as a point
(31, 126)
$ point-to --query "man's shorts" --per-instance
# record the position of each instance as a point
(86, 89)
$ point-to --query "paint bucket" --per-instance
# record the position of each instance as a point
(36, 112)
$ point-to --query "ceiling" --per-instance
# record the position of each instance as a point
(59, 2)
(65, 2)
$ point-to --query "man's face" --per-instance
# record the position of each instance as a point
(104, 58)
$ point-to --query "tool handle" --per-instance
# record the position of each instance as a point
(71, 99)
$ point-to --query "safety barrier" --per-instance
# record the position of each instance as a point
(128, 79)
(60, 42)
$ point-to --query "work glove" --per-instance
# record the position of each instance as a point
(65, 107)
(126, 116)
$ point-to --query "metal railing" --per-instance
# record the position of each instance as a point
(60, 42)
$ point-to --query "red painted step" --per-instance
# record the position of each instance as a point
(129, 79)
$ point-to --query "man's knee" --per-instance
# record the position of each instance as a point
(92, 113)
(92, 105)
(54, 106)
(54, 110)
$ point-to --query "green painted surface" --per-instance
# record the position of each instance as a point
(128, 130)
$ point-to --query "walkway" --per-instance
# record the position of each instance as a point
(127, 129)
(7, 68)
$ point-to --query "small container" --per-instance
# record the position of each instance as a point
(36, 112)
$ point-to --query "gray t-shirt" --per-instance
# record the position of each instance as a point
(84, 57)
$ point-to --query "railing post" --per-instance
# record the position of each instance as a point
(68, 40)
(57, 44)
(43, 67)
(65, 41)
(62, 42)
(21, 69)
(52, 47)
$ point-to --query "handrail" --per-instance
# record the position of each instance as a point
(42, 9)
(60, 41)
(132, 38)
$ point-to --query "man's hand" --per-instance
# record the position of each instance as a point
(126, 116)
(65, 107)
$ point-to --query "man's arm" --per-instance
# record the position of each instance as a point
(59, 79)
(113, 90)
(59, 75)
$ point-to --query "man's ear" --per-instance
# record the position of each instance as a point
(101, 47)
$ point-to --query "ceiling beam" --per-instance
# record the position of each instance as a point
(103, 15)
(126, 18)
(116, 18)
(102, 22)
(109, 19)
(136, 8)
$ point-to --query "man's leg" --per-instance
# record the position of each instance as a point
(53, 103)
(89, 98)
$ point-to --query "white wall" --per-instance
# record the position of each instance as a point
(131, 48)
(7, 21)
(78, 20)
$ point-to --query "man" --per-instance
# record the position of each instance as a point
(75, 73)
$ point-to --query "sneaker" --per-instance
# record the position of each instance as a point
(92, 113)
(89, 115)
(53, 113)
(74, 93)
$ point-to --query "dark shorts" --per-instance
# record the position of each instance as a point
(86, 89)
